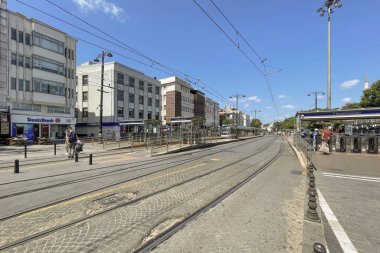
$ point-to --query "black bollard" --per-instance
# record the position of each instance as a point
(17, 167)
(90, 159)
(311, 213)
(319, 248)
(311, 183)
(25, 152)
(55, 148)
(76, 157)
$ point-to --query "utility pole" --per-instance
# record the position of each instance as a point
(328, 8)
(237, 96)
(255, 111)
(316, 93)
(101, 56)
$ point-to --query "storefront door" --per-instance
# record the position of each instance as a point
(36, 131)
(45, 131)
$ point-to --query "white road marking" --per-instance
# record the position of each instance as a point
(368, 179)
(340, 234)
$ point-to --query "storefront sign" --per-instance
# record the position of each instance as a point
(42, 120)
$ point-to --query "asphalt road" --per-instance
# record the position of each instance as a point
(140, 196)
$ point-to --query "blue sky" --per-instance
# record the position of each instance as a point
(290, 34)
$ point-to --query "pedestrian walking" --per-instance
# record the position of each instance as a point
(326, 137)
(72, 142)
(315, 133)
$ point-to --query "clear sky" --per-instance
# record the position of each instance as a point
(290, 34)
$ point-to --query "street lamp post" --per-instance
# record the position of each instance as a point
(101, 56)
(328, 5)
(316, 93)
(237, 96)
(255, 111)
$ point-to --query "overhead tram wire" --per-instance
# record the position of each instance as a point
(265, 73)
(129, 47)
(171, 70)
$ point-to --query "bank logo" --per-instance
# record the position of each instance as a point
(57, 120)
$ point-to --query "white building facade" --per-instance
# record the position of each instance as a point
(212, 113)
(129, 98)
(177, 99)
(37, 79)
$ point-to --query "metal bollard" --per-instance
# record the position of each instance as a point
(17, 166)
(76, 157)
(25, 151)
(311, 183)
(311, 213)
(90, 159)
(55, 148)
(319, 248)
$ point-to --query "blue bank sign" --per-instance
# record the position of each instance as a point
(41, 120)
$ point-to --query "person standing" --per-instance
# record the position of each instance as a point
(73, 138)
(67, 140)
(326, 136)
(315, 133)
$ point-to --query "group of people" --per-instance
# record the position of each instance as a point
(325, 135)
(72, 143)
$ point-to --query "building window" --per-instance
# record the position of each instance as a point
(13, 83)
(27, 62)
(157, 116)
(26, 107)
(85, 96)
(21, 84)
(150, 88)
(21, 60)
(65, 52)
(56, 109)
(13, 58)
(157, 90)
(76, 113)
(141, 114)
(27, 39)
(131, 98)
(69, 51)
(20, 37)
(141, 85)
(120, 78)
(164, 107)
(49, 87)
(13, 34)
(27, 85)
(72, 54)
(141, 100)
(149, 115)
(120, 111)
(85, 80)
(149, 102)
(48, 65)
(85, 112)
(131, 82)
(157, 103)
(48, 43)
(131, 113)
(120, 95)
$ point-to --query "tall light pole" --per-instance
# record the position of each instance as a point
(327, 7)
(316, 93)
(101, 56)
(237, 96)
(255, 111)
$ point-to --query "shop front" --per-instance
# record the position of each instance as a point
(33, 127)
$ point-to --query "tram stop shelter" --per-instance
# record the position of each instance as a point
(142, 129)
(355, 130)
(189, 129)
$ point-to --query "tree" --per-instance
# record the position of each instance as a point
(256, 123)
(351, 105)
(228, 121)
(371, 96)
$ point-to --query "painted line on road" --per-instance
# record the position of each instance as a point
(340, 234)
(368, 179)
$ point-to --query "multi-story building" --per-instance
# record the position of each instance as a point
(236, 116)
(199, 104)
(177, 99)
(129, 98)
(212, 113)
(37, 82)
(246, 120)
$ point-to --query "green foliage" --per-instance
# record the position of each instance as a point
(371, 96)
(256, 123)
(287, 123)
(352, 106)
(228, 121)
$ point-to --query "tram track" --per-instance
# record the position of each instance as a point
(142, 198)
(121, 170)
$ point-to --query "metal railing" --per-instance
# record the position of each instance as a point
(305, 147)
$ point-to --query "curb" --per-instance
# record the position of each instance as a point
(312, 231)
